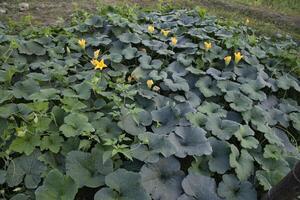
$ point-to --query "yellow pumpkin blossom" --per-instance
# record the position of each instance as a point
(174, 41)
(150, 83)
(98, 64)
(165, 32)
(247, 21)
(227, 60)
(207, 46)
(130, 78)
(151, 29)
(82, 43)
(96, 54)
(237, 57)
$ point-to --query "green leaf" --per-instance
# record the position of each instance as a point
(207, 87)
(242, 162)
(23, 89)
(197, 186)
(231, 188)
(2, 176)
(245, 136)
(52, 142)
(295, 117)
(88, 169)
(31, 48)
(158, 144)
(177, 83)
(20, 197)
(219, 159)
(45, 95)
(221, 128)
(28, 168)
(76, 124)
(287, 81)
(210, 108)
(25, 144)
(83, 90)
(190, 141)
(72, 104)
(257, 116)
(228, 86)
(273, 151)
(7, 110)
(268, 179)
(5, 95)
(126, 185)
(129, 52)
(162, 180)
(253, 89)
(57, 186)
(146, 62)
(238, 101)
(129, 38)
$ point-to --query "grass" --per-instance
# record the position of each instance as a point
(291, 7)
(263, 27)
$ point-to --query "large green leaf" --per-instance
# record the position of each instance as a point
(76, 124)
(26, 144)
(232, 188)
(90, 166)
(146, 62)
(238, 101)
(122, 185)
(219, 159)
(200, 187)
(57, 186)
(163, 179)
(207, 87)
(28, 168)
(31, 48)
(190, 141)
(129, 38)
(221, 128)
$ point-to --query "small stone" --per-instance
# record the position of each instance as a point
(23, 6)
(4, 4)
(3, 11)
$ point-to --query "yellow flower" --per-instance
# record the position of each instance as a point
(207, 46)
(174, 41)
(130, 78)
(165, 32)
(247, 21)
(94, 62)
(96, 54)
(237, 57)
(99, 64)
(151, 29)
(150, 83)
(227, 60)
(82, 43)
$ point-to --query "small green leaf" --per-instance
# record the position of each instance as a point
(242, 162)
(52, 142)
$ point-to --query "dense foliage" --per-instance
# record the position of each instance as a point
(157, 113)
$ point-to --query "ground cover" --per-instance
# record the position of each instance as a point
(174, 105)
